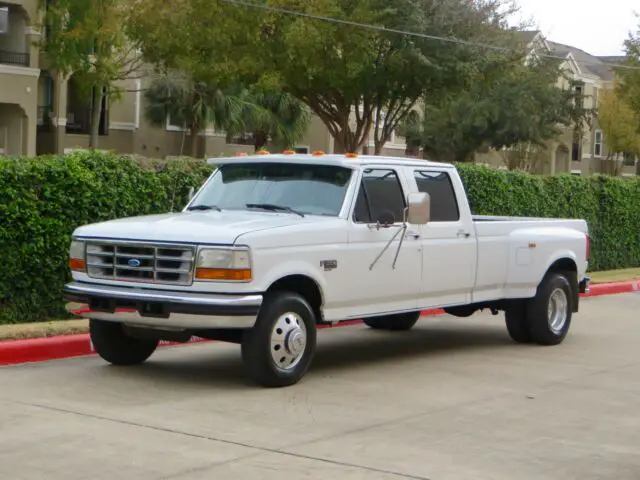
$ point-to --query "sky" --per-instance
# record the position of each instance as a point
(598, 29)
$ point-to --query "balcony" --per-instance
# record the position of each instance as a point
(14, 58)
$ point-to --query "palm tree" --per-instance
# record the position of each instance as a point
(196, 105)
(272, 115)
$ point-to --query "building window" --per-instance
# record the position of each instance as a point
(4, 20)
(597, 144)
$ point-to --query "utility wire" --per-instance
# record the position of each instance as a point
(379, 28)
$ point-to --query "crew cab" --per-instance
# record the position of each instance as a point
(272, 246)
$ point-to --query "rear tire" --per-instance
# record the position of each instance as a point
(549, 313)
(278, 350)
(116, 347)
(517, 323)
(397, 323)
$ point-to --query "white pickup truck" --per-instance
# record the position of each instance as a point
(271, 246)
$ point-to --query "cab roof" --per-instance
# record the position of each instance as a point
(341, 160)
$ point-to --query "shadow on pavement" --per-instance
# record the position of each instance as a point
(216, 365)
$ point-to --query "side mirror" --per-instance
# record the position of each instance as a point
(192, 192)
(419, 208)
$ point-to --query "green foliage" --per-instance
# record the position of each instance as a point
(43, 199)
(608, 204)
(505, 103)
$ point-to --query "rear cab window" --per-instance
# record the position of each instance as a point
(444, 204)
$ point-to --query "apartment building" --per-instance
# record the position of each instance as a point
(19, 75)
(42, 112)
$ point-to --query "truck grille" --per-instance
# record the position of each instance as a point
(149, 263)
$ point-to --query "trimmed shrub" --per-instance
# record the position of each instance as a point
(43, 199)
(610, 205)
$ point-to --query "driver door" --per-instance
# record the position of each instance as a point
(382, 287)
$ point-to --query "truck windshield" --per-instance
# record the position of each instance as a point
(296, 188)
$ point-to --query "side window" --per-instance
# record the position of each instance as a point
(380, 192)
(444, 205)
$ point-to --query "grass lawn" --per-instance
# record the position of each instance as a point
(69, 327)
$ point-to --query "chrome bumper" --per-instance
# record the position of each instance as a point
(161, 309)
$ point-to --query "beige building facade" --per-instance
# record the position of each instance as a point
(42, 112)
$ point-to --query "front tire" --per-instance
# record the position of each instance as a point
(113, 345)
(398, 323)
(278, 350)
(549, 313)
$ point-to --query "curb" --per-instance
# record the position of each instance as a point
(13, 352)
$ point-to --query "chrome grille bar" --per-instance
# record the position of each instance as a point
(170, 264)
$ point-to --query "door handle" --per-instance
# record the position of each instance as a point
(463, 234)
(413, 235)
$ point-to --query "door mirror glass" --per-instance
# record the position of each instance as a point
(419, 208)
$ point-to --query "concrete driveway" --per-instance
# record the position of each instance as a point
(452, 399)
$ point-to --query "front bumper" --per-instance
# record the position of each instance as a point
(160, 308)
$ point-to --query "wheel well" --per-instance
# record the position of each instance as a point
(567, 267)
(304, 286)
(564, 265)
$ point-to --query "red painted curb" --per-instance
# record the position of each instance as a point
(14, 352)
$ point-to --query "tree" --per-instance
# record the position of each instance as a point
(354, 79)
(620, 126)
(628, 85)
(196, 105)
(506, 102)
(272, 116)
(85, 39)
(362, 83)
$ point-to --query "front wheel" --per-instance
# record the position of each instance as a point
(116, 347)
(278, 350)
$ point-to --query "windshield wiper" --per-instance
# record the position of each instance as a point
(204, 207)
(275, 208)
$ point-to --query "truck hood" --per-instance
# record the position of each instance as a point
(192, 227)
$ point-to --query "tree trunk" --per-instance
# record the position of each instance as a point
(193, 131)
(259, 140)
(96, 112)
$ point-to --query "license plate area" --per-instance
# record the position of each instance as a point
(145, 309)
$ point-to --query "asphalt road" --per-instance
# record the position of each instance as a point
(452, 399)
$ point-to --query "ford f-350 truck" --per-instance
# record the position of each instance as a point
(271, 246)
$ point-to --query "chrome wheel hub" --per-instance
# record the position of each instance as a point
(288, 341)
(557, 311)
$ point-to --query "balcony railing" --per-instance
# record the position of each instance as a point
(15, 58)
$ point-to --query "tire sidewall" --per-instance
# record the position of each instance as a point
(256, 346)
(538, 313)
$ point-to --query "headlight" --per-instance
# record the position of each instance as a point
(223, 264)
(76, 256)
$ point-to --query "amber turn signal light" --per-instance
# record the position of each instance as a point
(77, 264)
(235, 275)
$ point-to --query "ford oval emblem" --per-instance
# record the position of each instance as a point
(133, 262)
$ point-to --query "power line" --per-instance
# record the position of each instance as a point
(379, 28)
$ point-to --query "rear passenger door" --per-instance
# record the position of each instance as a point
(448, 241)
(381, 288)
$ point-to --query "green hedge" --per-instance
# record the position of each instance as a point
(610, 205)
(43, 199)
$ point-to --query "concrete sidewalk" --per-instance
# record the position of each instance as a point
(452, 399)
